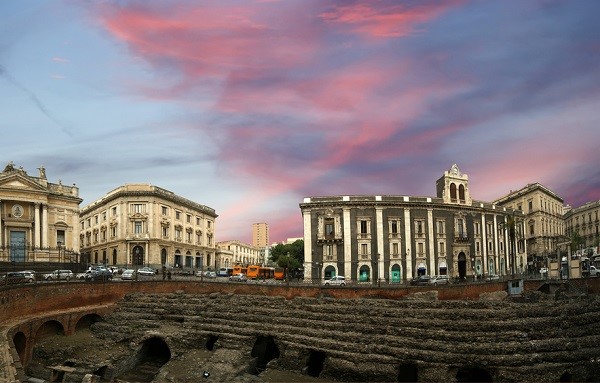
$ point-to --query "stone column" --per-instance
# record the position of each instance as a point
(431, 244)
(1, 232)
(496, 247)
(308, 261)
(347, 245)
(407, 248)
(37, 232)
(44, 224)
(380, 245)
(484, 245)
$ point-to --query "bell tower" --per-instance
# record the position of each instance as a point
(453, 187)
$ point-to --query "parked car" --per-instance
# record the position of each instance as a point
(338, 280)
(594, 272)
(209, 274)
(439, 280)
(493, 277)
(238, 278)
(65, 275)
(14, 277)
(421, 280)
(146, 271)
(128, 275)
(99, 275)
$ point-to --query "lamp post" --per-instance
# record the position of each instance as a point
(59, 244)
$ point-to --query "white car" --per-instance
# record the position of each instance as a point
(439, 280)
(146, 271)
(238, 278)
(64, 275)
(128, 274)
(338, 280)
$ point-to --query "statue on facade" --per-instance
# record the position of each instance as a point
(10, 167)
(42, 172)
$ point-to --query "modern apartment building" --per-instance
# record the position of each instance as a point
(141, 224)
(543, 220)
(38, 219)
(393, 239)
(260, 234)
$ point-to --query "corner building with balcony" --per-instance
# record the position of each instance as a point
(145, 225)
(394, 239)
(38, 219)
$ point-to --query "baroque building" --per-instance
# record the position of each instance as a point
(543, 221)
(141, 224)
(585, 222)
(235, 252)
(38, 219)
(392, 239)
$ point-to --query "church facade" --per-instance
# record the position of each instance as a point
(394, 239)
(38, 219)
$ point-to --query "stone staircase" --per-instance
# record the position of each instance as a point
(367, 339)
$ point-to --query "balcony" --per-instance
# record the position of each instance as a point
(363, 235)
(461, 239)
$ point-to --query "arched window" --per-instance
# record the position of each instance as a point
(461, 193)
(453, 191)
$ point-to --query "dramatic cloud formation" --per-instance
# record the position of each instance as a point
(249, 106)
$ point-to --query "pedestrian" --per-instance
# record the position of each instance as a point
(164, 272)
(169, 274)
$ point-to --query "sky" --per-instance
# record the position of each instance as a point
(249, 106)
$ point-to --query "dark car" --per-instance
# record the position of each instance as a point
(15, 277)
(99, 275)
(421, 280)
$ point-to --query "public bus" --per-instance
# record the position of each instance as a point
(279, 273)
(260, 272)
(225, 272)
(239, 269)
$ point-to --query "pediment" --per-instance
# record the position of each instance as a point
(19, 182)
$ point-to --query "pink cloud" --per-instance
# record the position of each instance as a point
(380, 20)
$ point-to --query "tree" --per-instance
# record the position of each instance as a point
(289, 256)
(576, 241)
(511, 225)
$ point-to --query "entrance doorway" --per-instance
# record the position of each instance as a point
(138, 256)
(462, 265)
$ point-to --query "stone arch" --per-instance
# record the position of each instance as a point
(211, 341)
(329, 272)
(151, 356)
(473, 374)
(86, 321)
(264, 350)
(462, 265)
(49, 328)
(20, 342)
(364, 273)
(137, 256)
(453, 196)
(315, 362)
(461, 192)
(396, 273)
(408, 372)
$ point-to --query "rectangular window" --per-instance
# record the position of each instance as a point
(188, 218)
(113, 231)
(363, 227)
(420, 248)
(177, 215)
(104, 216)
(138, 208)
(165, 232)
(113, 211)
(198, 239)
(137, 227)
(96, 219)
(165, 210)
(440, 225)
(198, 221)
(530, 203)
(364, 250)
(178, 234)
(208, 224)
(395, 249)
(329, 228)
(419, 227)
(394, 227)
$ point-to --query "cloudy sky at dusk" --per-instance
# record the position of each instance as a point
(250, 106)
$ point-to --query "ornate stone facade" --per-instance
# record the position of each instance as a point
(38, 219)
(140, 224)
(393, 239)
(235, 252)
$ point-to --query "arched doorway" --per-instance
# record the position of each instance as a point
(137, 256)
(329, 272)
(421, 269)
(363, 273)
(396, 274)
(462, 265)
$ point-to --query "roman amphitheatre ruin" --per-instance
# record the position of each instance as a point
(192, 331)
